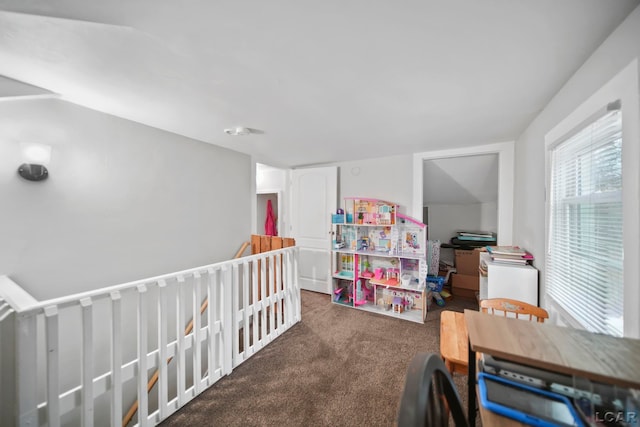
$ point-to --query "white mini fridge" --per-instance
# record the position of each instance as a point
(519, 282)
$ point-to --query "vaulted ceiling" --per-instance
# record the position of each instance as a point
(461, 180)
(317, 81)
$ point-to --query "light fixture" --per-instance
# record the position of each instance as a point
(237, 131)
(36, 157)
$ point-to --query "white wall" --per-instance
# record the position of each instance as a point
(617, 51)
(123, 201)
(386, 178)
(270, 179)
(446, 220)
(489, 216)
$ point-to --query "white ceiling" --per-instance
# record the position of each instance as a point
(321, 81)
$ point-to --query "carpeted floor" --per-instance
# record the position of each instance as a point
(337, 367)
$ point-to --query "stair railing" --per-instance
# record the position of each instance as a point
(154, 378)
(78, 357)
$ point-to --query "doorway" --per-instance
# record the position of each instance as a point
(460, 194)
(504, 157)
(271, 184)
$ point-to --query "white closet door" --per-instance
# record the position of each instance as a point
(314, 194)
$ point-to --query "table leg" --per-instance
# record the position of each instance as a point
(471, 388)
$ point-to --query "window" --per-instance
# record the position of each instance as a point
(585, 235)
(580, 188)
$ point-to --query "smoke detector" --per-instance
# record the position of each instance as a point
(237, 131)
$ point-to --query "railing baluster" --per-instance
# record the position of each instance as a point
(281, 310)
(264, 285)
(246, 281)
(116, 359)
(289, 290)
(280, 288)
(294, 307)
(229, 321)
(295, 287)
(86, 305)
(180, 353)
(53, 366)
(27, 374)
(143, 398)
(274, 295)
(254, 306)
(211, 321)
(197, 327)
(235, 328)
(163, 385)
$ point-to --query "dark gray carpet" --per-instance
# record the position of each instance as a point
(337, 367)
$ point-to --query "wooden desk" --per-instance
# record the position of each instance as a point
(569, 351)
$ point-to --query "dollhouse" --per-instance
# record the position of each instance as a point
(379, 259)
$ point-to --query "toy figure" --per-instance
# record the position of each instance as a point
(364, 244)
(412, 241)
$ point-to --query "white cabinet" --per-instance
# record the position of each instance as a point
(519, 282)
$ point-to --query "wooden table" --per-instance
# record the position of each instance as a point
(569, 351)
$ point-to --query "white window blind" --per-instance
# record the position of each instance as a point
(585, 248)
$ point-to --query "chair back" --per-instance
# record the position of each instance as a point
(429, 396)
(521, 309)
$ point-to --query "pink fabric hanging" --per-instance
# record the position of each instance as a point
(270, 223)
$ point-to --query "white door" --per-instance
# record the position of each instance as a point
(314, 197)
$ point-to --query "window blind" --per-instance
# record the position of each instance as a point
(585, 248)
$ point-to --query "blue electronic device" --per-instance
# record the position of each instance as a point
(529, 405)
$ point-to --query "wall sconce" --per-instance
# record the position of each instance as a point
(36, 157)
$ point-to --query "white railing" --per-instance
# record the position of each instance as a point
(78, 359)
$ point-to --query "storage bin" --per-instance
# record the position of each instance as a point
(435, 283)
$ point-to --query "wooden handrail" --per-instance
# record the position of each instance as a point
(154, 378)
(244, 247)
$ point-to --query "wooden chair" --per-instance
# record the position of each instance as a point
(518, 308)
(453, 329)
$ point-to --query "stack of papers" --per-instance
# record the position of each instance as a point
(509, 254)
(481, 236)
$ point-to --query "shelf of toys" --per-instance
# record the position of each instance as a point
(379, 260)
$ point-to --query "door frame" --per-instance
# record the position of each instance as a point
(505, 152)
